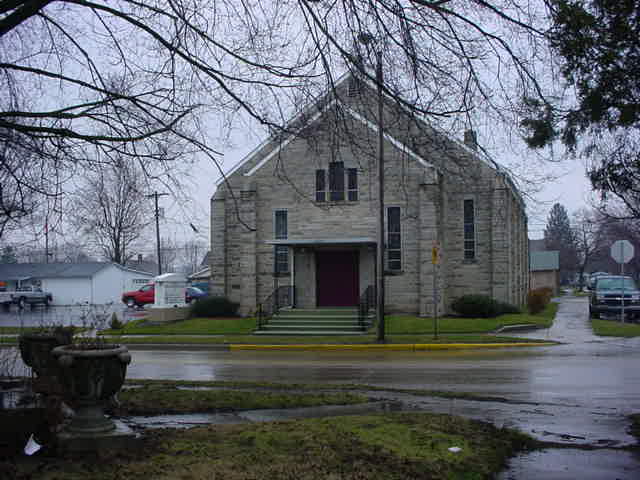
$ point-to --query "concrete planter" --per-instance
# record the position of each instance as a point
(35, 350)
(90, 375)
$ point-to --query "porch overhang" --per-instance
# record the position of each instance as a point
(322, 242)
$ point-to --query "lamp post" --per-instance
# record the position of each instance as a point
(366, 38)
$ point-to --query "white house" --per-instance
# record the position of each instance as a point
(96, 283)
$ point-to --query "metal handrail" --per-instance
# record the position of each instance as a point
(367, 302)
(279, 298)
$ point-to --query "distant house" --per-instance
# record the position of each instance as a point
(544, 269)
(71, 283)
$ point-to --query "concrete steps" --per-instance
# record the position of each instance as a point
(321, 321)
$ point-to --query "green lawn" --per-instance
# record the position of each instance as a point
(401, 329)
(406, 324)
(377, 447)
(191, 326)
(163, 398)
(612, 328)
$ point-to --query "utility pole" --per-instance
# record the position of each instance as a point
(366, 38)
(46, 240)
(155, 195)
(381, 242)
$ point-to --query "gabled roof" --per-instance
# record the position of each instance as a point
(204, 273)
(312, 112)
(21, 271)
(545, 260)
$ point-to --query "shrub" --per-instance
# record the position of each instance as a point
(470, 306)
(507, 308)
(538, 299)
(214, 307)
(115, 323)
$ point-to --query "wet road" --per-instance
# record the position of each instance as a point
(589, 371)
(579, 393)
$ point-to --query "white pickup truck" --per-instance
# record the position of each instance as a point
(25, 295)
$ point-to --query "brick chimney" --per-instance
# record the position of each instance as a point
(470, 139)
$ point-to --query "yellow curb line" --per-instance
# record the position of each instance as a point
(397, 347)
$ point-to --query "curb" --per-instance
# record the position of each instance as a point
(392, 347)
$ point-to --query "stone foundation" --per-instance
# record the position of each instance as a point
(167, 314)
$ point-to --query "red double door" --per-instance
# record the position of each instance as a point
(337, 278)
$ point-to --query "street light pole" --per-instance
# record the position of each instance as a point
(366, 38)
(155, 195)
(380, 242)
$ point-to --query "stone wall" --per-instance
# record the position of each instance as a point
(431, 201)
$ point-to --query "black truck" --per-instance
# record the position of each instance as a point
(609, 293)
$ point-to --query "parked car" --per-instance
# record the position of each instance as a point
(591, 284)
(137, 298)
(194, 293)
(146, 295)
(28, 294)
(204, 286)
(609, 293)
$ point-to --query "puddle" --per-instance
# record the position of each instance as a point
(251, 416)
(182, 421)
(569, 464)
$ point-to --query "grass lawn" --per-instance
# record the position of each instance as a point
(307, 388)
(412, 325)
(396, 324)
(390, 446)
(157, 398)
(612, 328)
(191, 326)
(401, 329)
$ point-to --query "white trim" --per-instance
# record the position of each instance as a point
(396, 143)
(292, 137)
(399, 145)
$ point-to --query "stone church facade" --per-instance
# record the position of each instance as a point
(301, 211)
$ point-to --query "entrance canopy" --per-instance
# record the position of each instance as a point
(310, 242)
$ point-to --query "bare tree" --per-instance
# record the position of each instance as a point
(111, 209)
(459, 63)
(191, 254)
(589, 238)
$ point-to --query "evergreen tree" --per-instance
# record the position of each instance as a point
(558, 235)
(8, 255)
(598, 45)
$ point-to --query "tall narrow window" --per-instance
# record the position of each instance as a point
(469, 230)
(394, 239)
(352, 184)
(336, 181)
(321, 187)
(281, 252)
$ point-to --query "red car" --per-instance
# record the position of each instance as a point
(140, 297)
(146, 294)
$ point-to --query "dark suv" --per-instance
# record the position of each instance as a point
(607, 297)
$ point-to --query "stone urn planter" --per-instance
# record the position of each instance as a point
(36, 347)
(90, 375)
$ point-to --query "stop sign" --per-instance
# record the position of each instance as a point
(622, 251)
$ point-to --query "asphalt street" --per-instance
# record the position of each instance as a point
(578, 394)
